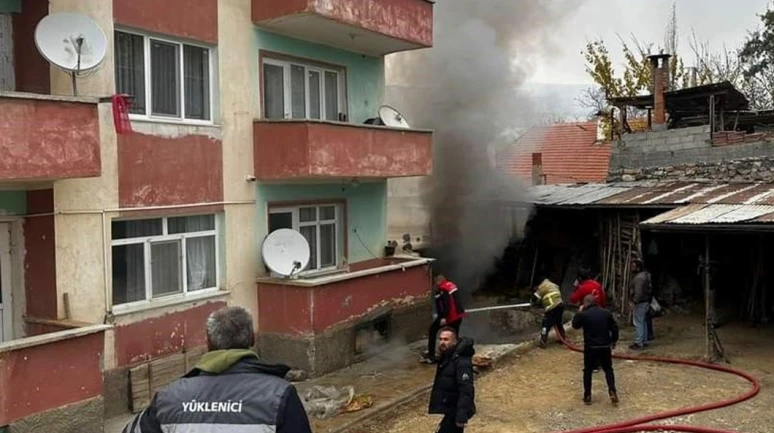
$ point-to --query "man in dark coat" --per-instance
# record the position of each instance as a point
(453, 394)
(229, 389)
(640, 295)
(449, 312)
(600, 334)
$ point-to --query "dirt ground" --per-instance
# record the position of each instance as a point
(540, 391)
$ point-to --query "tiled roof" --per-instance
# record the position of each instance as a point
(570, 153)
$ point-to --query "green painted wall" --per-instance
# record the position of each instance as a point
(10, 6)
(366, 212)
(13, 202)
(365, 74)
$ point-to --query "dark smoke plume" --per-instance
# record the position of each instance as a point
(467, 88)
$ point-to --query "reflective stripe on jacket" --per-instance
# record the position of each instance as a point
(549, 295)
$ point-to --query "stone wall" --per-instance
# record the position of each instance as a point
(689, 154)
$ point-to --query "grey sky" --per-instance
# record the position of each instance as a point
(716, 21)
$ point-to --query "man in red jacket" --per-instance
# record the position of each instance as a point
(449, 312)
(588, 286)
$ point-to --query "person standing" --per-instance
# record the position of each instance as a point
(600, 335)
(549, 297)
(449, 312)
(230, 389)
(453, 394)
(640, 292)
(588, 286)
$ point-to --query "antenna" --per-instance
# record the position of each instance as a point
(286, 252)
(73, 42)
(392, 117)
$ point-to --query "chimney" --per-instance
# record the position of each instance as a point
(659, 64)
(537, 169)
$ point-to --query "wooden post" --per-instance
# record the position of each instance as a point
(707, 306)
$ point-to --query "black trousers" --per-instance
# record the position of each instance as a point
(593, 357)
(448, 425)
(550, 319)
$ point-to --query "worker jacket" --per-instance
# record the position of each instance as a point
(229, 390)
(448, 304)
(548, 295)
(641, 288)
(589, 287)
(599, 327)
(453, 393)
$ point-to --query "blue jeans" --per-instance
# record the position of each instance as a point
(640, 323)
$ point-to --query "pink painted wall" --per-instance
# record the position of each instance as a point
(285, 150)
(408, 20)
(48, 376)
(312, 310)
(46, 139)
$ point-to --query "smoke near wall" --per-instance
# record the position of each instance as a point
(467, 88)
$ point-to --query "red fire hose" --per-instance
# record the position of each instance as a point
(636, 425)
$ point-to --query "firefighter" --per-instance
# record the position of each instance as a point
(549, 297)
(449, 312)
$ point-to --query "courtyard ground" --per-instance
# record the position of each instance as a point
(540, 391)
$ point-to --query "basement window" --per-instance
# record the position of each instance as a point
(372, 335)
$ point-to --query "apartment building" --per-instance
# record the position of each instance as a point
(247, 116)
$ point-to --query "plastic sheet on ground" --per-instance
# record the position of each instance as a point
(327, 401)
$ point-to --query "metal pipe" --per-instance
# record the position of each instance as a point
(498, 307)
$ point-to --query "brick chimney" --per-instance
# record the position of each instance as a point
(659, 64)
(537, 169)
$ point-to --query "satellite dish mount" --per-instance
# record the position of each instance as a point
(72, 42)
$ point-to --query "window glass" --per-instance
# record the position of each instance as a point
(128, 273)
(197, 82)
(274, 91)
(166, 268)
(130, 69)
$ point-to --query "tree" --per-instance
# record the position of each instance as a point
(754, 79)
(757, 57)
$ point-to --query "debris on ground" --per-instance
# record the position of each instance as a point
(325, 402)
(297, 376)
(482, 362)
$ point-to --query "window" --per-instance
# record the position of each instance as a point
(294, 90)
(161, 257)
(320, 225)
(167, 79)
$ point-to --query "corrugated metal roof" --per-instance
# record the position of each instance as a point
(573, 195)
(632, 194)
(699, 214)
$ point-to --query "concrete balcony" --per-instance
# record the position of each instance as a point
(303, 149)
(372, 27)
(44, 138)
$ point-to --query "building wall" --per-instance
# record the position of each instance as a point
(687, 153)
(366, 212)
(365, 75)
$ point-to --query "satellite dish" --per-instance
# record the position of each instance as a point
(73, 42)
(392, 117)
(286, 252)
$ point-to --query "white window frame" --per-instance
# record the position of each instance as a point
(181, 84)
(148, 241)
(339, 239)
(286, 66)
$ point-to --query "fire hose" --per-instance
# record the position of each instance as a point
(637, 425)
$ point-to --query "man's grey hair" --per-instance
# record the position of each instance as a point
(230, 328)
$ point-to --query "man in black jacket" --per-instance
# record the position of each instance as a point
(229, 389)
(600, 334)
(453, 394)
